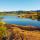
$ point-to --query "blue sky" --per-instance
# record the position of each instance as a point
(14, 5)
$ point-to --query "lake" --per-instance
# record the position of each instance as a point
(20, 21)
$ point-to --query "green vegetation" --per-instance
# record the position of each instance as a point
(35, 14)
(3, 29)
(14, 13)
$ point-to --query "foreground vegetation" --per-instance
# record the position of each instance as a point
(15, 32)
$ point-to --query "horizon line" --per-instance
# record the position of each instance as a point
(15, 10)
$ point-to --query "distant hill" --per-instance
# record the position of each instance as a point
(22, 11)
(35, 10)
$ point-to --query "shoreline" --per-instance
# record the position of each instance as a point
(30, 28)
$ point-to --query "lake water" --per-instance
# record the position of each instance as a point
(20, 21)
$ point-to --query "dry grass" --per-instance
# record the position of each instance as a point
(21, 33)
(26, 35)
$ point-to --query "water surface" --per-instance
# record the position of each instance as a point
(20, 21)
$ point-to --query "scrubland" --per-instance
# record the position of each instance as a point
(14, 32)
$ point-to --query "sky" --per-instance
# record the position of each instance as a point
(15, 5)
